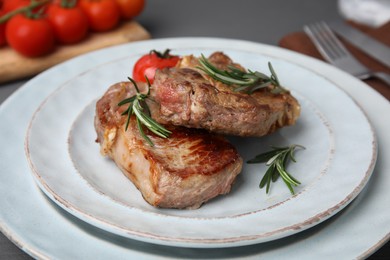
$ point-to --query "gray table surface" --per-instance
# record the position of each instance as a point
(265, 21)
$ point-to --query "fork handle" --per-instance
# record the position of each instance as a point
(385, 77)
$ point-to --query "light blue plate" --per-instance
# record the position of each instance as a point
(43, 230)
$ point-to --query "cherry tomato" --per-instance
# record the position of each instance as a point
(10, 5)
(103, 15)
(3, 40)
(70, 24)
(149, 63)
(30, 37)
(2, 31)
(130, 8)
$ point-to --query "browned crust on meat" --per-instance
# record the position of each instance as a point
(206, 153)
(183, 171)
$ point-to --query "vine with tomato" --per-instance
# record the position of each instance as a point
(34, 27)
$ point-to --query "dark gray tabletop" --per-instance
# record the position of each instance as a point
(265, 21)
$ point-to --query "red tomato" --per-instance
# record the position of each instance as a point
(10, 5)
(103, 15)
(29, 37)
(130, 8)
(2, 31)
(149, 63)
(70, 24)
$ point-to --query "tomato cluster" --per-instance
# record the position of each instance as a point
(34, 27)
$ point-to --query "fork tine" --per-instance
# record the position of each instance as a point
(333, 41)
(316, 38)
(325, 41)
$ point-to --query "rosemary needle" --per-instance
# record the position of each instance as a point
(245, 81)
(140, 109)
(277, 160)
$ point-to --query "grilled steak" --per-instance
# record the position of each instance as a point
(185, 170)
(186, 96)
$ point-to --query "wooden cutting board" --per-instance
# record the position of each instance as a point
(14, 66)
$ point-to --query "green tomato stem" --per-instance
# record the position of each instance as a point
(23, 9)
(68, 3)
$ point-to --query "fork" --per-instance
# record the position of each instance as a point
(335, 52)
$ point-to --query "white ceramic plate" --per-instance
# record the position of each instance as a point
(45, 231)
(338, 161)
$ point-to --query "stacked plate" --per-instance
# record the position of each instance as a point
(89, 209)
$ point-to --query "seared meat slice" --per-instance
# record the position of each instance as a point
(185, 96)
(185, 170)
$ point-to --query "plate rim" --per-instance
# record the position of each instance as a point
(365, 249)
(221, 242)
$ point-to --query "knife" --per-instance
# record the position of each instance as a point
(365, 43)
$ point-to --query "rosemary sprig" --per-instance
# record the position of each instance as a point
(140, 109)
(277, 160)
(248, 82)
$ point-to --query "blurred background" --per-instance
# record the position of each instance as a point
(264, 21)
